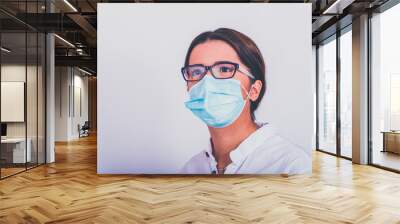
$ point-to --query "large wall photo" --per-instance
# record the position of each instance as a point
(205, 89)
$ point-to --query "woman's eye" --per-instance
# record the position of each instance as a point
(196, 72)
(225, 69)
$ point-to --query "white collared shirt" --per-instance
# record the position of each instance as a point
(263, 152)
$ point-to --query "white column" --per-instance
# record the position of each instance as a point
(360, 90)
(50, 110)
(50, 92)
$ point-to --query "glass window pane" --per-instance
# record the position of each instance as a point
(386, 88)
(31, 88)
(327, 97)
(346, 94)
(32, 95)
(41, 98)
(13, 86)
(22, 90)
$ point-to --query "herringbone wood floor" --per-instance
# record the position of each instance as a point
(70, 191)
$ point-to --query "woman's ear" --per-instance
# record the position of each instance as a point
(255, 90)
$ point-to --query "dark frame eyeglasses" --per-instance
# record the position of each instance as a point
(219, 70)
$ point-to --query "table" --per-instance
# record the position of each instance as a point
(16, 147)
(391, 141)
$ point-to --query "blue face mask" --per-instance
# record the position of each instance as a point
(217, 102)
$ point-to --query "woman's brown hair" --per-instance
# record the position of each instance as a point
(247, 50)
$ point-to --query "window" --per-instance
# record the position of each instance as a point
(385, 89)
(327, 96)
(346, 93)
(22, 77)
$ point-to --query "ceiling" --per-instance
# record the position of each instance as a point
(76, 22)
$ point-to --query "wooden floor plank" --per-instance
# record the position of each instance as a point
(70, 191)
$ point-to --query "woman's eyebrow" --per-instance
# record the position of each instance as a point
(216, 62)
(195, 64)
(223, 62)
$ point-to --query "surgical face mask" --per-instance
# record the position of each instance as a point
(217, 102)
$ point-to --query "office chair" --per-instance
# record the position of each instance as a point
(84, 130)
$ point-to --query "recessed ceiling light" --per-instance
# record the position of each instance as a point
(328, 10)
(65, 41)
(84, 71)
(70, 5)
(5, 50)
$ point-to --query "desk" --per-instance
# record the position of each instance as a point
(16, 147)
(391, 141)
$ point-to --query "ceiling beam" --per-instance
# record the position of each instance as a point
(84, 61)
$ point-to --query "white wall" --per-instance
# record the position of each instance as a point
(143, 126)
(79, 117)
(62, 81)
(68, 81)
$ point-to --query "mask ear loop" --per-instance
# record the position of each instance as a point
(252, 78)
(247, 92)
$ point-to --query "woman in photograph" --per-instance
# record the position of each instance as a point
(225, 75)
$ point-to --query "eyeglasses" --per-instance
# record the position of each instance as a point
(219, 70)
